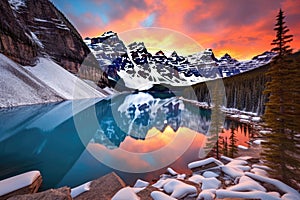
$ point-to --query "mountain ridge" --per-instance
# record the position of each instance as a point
(134, 63)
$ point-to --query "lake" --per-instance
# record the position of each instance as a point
(136, 135)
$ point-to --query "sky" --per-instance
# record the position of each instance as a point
(242, 28)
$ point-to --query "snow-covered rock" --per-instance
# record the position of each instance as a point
(233, 172)
(226, 158)
(258, 141)
(80, 189)
(221, 194)
(125, 194)
(178, 189)
(290, 196)
(140, 184)
(17, 182)
(242, 147)
(210, 183)
(207, 194)
(171, 171)
(206, 161)
(181, 176)
(247, 186)
(156, 195)
(280, 185)
(196, 178)
(260, 172)
(209, 174)
(266, 168)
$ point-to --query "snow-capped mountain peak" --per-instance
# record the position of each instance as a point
(136, 66)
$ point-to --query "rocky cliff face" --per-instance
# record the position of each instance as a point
(30, 28)
(14, 40)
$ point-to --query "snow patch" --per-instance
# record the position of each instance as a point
(210, 183)
(242, 147)
(17, 4)
(140, 184)
(280, 185)
(258, 142)
(233, 172)
(80, 189)
(179, 189)
(171, 171)
(207, 194)
(156, 195)
(206, 161)
(209, 174)
(125, 193)
(196, 178)
(17, 182)
(71, 87)
(222, 194)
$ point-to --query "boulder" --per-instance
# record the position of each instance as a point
(104, 187)
(57, 194)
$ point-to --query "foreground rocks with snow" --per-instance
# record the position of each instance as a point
(242, 177)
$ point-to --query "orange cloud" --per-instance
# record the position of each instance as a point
(242, 28)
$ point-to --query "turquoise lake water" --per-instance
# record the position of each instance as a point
(135, 135)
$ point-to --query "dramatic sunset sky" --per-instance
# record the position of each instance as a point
(243, 28)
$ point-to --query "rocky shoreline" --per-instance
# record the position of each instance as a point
(244, 177)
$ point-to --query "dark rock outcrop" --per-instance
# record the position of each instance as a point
(14, 41)
(57, 194)
(37, 28)
(103, 188)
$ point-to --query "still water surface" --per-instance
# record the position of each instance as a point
(135, 135)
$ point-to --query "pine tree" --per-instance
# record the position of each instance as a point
(217, 94)
(224, 146)
(281, 150)
(232, 148)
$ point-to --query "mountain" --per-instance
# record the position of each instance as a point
(139, 69)
(135, 114)
(43, 56)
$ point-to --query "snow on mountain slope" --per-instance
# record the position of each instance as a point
(140, 69)
(43, 83)
(20, 87)
(63, 82)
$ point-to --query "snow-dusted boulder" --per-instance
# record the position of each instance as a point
(156, 195)
(207, 194)
(210, 183)
(233, 172)
(80, 189)
(181, 176)
(280, 185)
(246, 186)
(222, 194)
(17, 182)
(179, 189)
(289, 196)
(242, 147)
(258, 141)
(209, 174)
(204, 162)
(196, 178)
(172, 171)
(258, 171)
(125, 194)
(140, 184)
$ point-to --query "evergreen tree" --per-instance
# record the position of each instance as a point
(217, 94)
(224, 146)
(281, 150)
(232, 148)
